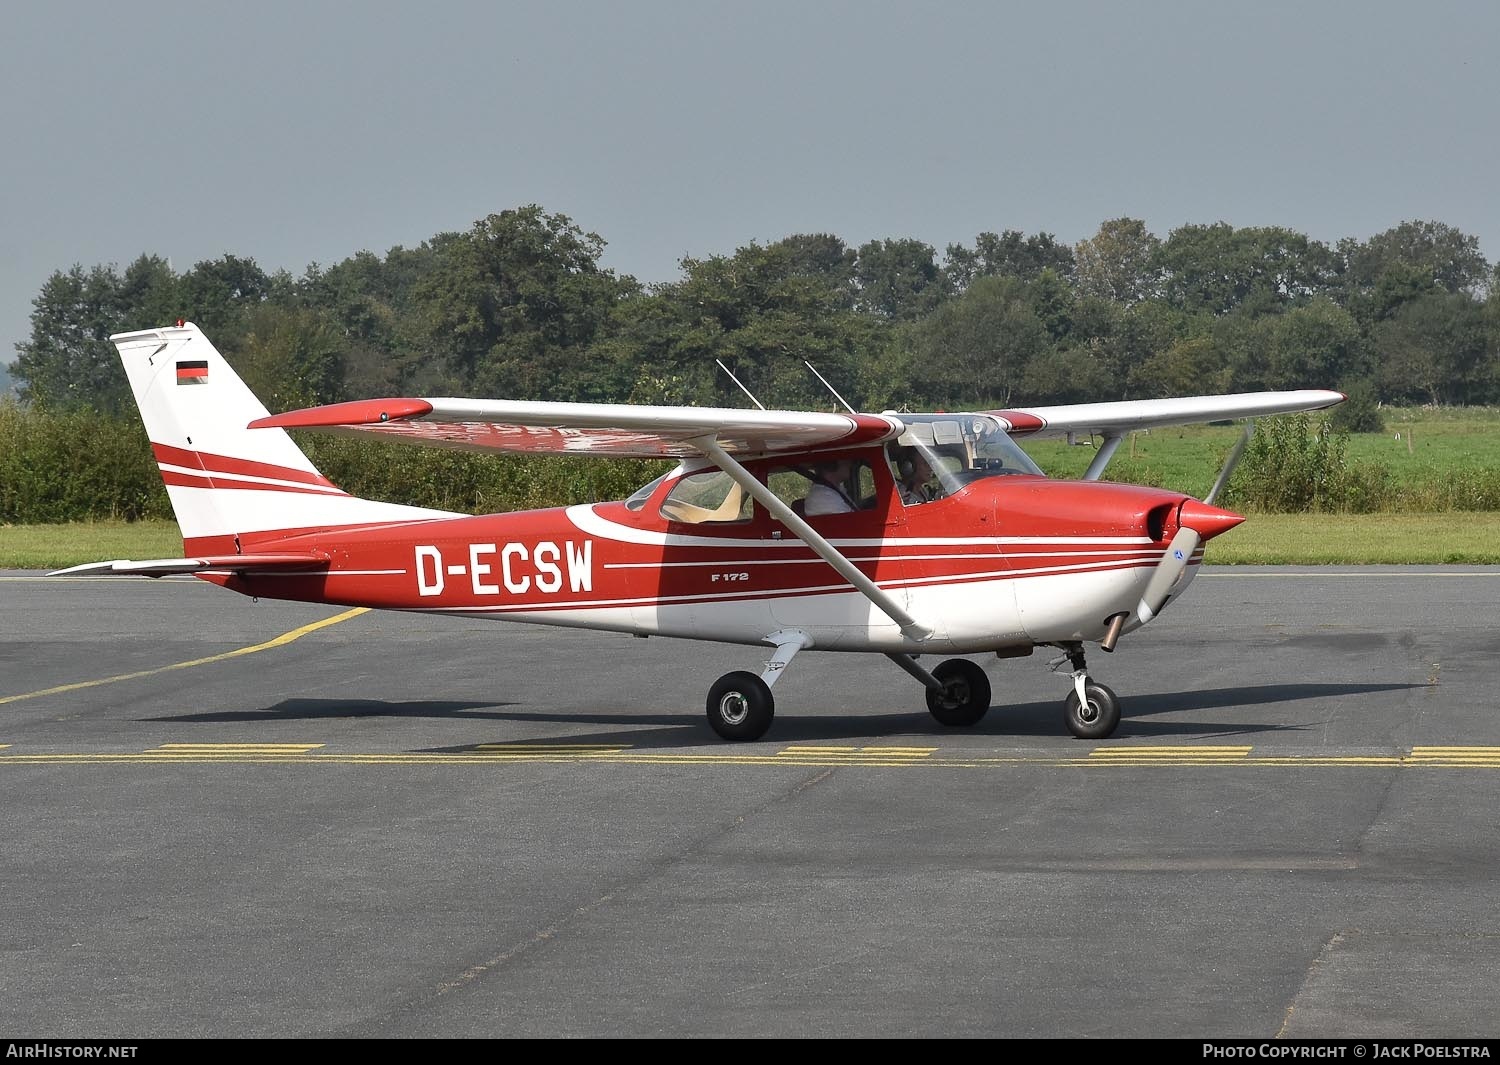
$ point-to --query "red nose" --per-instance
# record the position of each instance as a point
(1206, 520)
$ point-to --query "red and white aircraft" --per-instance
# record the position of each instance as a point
(989, 556)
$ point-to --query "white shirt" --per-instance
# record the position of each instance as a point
(824, 498)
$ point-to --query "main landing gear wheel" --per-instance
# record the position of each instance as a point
(965, 697)
(740, 706)
(1096, 719)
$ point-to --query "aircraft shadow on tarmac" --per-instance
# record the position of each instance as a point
(688, 729)
(328, 709)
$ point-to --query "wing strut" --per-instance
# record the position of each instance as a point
(1102, 457)
(910, 627)
(1230, 462)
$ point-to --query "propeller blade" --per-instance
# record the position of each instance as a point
(1197, 522)
(1167, 571)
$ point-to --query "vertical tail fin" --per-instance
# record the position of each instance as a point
(230, 486)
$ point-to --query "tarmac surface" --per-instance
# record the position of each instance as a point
(224, 818)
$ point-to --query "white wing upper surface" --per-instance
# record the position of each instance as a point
(613, 429)
(1114, 419)
(622, 430)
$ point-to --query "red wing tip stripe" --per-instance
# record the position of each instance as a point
(868, 429)
(357, 412)
(1021, 422)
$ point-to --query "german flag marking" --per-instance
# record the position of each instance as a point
(192, 372)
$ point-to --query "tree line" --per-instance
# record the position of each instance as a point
(518, 307)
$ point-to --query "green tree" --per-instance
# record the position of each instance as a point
(972, 351)
(898, 280)
(1190, 366)
(1436, 349)
(292, 357)
(1406, 263)
(1010, 254)
(218, 294)
(68, 362)
(1314, 345)
(1217, 268)
(763, 312)
(510, 305)
(1120, 262)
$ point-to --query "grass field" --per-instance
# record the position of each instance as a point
(1270, 539)
(1419, 446)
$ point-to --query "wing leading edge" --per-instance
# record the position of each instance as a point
(1115, 419)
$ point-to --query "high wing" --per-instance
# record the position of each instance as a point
(1115, 419)
(612, 429)
(623, 430)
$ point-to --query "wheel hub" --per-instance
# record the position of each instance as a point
(955, 694)
(734, 708)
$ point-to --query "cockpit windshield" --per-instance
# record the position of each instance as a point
(962, 448)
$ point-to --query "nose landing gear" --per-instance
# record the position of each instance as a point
(1091, 710)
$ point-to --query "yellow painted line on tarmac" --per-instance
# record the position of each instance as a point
(279, 641)
(1455, 756)
(206, 749)
(1220, 754)
(565, 754)
(854, 754)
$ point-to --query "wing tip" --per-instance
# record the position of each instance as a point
(355, 412)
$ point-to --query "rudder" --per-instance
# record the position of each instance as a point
(230, 486)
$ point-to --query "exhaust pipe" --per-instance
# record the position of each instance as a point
(1112, 637)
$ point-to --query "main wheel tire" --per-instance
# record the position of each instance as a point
(740, 706)
(965, 697)
(1096, 719)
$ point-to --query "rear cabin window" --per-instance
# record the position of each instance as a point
(710, 496)
(791, 485)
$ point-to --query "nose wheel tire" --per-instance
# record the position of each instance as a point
(740, 706)
(1098, 717)
(965, 697)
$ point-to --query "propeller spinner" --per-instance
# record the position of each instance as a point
(1197, 522)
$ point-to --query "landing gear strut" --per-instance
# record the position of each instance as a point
(740, 706)
(1092, 710)
(965, 697)
(958, 691)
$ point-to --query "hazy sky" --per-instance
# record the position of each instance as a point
(293, 133)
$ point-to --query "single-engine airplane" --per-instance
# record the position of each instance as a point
(791, 530)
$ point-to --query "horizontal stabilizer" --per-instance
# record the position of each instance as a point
(163, 567)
